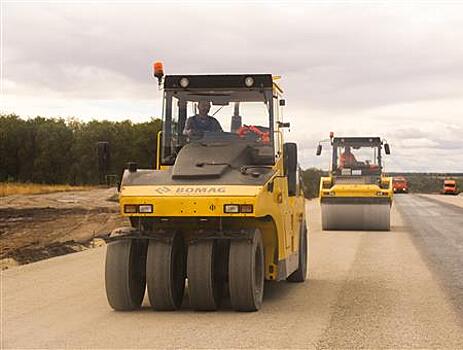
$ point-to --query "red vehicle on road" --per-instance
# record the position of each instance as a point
(450, 187)
(400, 184)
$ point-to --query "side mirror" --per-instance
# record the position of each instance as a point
(236, 123)
(319, 150)
(290, 166)
(387, 149)
(282, 102)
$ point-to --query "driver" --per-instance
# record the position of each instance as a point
(347, 159)
(201, 122)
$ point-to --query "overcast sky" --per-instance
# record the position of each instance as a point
(389, 70)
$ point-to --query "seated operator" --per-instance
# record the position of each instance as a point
(201, 122)
(347, 159)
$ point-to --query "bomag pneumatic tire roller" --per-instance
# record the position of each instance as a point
(224, 207)
(356, 195)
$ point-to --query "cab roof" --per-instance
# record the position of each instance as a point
(219, 81)
(357, 141)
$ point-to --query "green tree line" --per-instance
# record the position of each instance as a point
(56, 151)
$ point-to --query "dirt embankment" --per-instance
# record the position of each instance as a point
(35, 227)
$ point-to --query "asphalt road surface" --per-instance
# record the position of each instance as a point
(398, 289)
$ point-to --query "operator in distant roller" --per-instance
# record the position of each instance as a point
(201, 122)
(347, 159)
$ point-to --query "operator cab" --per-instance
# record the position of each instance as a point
(356, 156)
(243, 105)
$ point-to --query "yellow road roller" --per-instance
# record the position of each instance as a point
(356, 195)
(222, 211)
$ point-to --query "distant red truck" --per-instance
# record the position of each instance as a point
(399, 184)
(450, 187)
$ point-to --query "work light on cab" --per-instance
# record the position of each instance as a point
(249, 81)
(184, 82)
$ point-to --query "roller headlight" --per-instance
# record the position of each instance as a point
(130, 208)
(145, 208)
(138, 208)
(382, 193)
(231, 208)
(246, 208)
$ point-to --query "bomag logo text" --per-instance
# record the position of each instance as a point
(200, 190)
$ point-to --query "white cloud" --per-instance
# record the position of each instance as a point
(391, 70)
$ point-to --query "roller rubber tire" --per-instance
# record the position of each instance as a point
(300, 274)
(125, 278)
(246, 273)
(205, 284)
(165, 273)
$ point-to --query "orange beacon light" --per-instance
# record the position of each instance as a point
(158, 71)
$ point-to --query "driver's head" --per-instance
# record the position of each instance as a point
(204, 107)
(347, 149)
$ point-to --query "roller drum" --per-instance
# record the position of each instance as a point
(356, 216)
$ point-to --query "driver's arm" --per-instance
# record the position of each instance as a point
(188, 130)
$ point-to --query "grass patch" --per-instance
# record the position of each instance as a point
(10, 188)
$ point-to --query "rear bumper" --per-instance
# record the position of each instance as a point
(400, 190)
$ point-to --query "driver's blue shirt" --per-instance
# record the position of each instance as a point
(197, 123)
